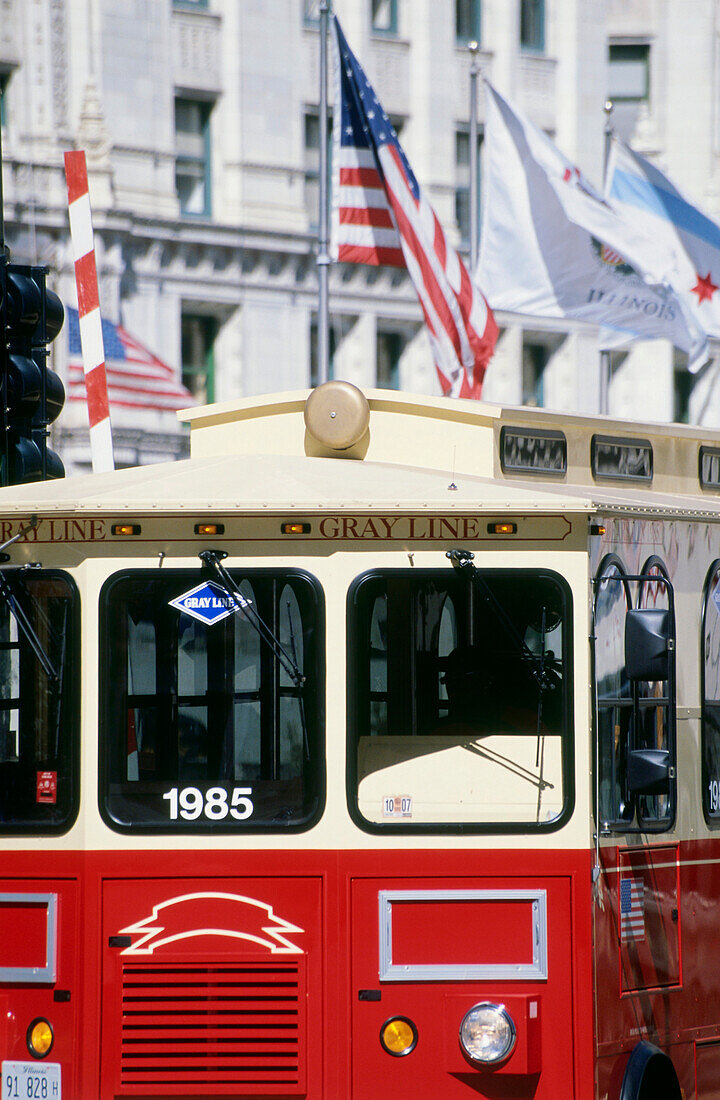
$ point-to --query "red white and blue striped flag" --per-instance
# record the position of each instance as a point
(632, 910)
(380, 216)
(136, 378)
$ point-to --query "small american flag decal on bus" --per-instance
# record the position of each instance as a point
(632, 910)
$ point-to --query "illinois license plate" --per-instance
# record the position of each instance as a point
(31, 1081)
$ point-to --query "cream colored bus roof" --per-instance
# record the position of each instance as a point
(258, 454)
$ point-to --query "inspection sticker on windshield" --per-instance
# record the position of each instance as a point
(209, 603)
(397, 805)
(31, 1080)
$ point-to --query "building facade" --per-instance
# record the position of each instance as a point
(201, 128)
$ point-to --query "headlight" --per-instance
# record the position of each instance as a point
(40, 1038)
(487, 1033)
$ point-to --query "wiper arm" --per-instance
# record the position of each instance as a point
(462, 562)
(213, 558)
(17, 611)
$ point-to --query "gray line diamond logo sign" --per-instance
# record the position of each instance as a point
(209, 603)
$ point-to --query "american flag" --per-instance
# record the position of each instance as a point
(380, 216)
(632, 910)
(136, 378)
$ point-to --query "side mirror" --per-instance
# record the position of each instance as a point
(649, 771)
(647, 643)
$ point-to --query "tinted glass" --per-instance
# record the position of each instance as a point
(205, 726)
(449, 725)
(39, 680)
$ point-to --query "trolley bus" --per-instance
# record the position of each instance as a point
(373, 750)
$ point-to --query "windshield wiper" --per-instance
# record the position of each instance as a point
(462, 562)
(213, 558)
(18, 612)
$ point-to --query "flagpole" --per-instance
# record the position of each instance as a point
(323, 257)
(473, 48)
(606, 355)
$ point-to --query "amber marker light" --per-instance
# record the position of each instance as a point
(296, 528)
(40, 1038)
(398, 1036)
(209, 528)
(502, 528)
(126, 528)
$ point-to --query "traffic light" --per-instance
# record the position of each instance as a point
(32, 394)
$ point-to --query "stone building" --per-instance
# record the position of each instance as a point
(200, 124)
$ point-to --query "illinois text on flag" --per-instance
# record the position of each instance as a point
(635, 184)
(551, 246)
(136, 378)
(380, 216)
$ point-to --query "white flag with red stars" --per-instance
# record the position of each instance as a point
(552, 246)
(652, 200)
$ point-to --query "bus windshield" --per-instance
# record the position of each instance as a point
(39, 631)
(203, 727)
(459, 713)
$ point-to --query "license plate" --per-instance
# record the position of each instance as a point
(31, 1081)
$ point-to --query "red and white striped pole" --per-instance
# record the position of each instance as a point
(91, 338)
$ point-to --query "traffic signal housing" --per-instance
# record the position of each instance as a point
(32, 394)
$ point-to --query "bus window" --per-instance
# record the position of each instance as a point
(201, 726)
(474, 695)
(654, 718)
(632, 716)
(614, 696)
(39, 694)
(711, 696)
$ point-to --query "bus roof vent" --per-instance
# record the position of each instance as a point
(337, 415)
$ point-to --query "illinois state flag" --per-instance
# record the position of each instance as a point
(552, 246)
(640, 189)
(380, 216)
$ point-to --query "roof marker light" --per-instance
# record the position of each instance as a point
(296, 528)
(209, 528)
(126, 528)
(502, 528)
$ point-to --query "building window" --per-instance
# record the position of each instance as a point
(198, 355)
(532, 25)
(534, 361)
(390, 346)
(384, 16)
(314, 352)
(462, 182)
(311, 12)
(629, 71)
(467, 21)
(4, 81)
(192, 160)
(684, 382)
(629, 84)
(311, 142)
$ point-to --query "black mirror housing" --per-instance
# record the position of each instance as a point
(649, 771)
(647, 643)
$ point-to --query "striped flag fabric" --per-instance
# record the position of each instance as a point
(632, 910)
(381, 216)
(136, 378)
(93, 353)
(553, 246)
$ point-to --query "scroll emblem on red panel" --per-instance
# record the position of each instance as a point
(213, 914)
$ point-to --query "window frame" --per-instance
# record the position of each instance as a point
(72, 696)
(712, 820)
(475, 18)
(532, 11)
(205, 161)
(106, 728)
(354, 690)
(637, 821)
(385, 32)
